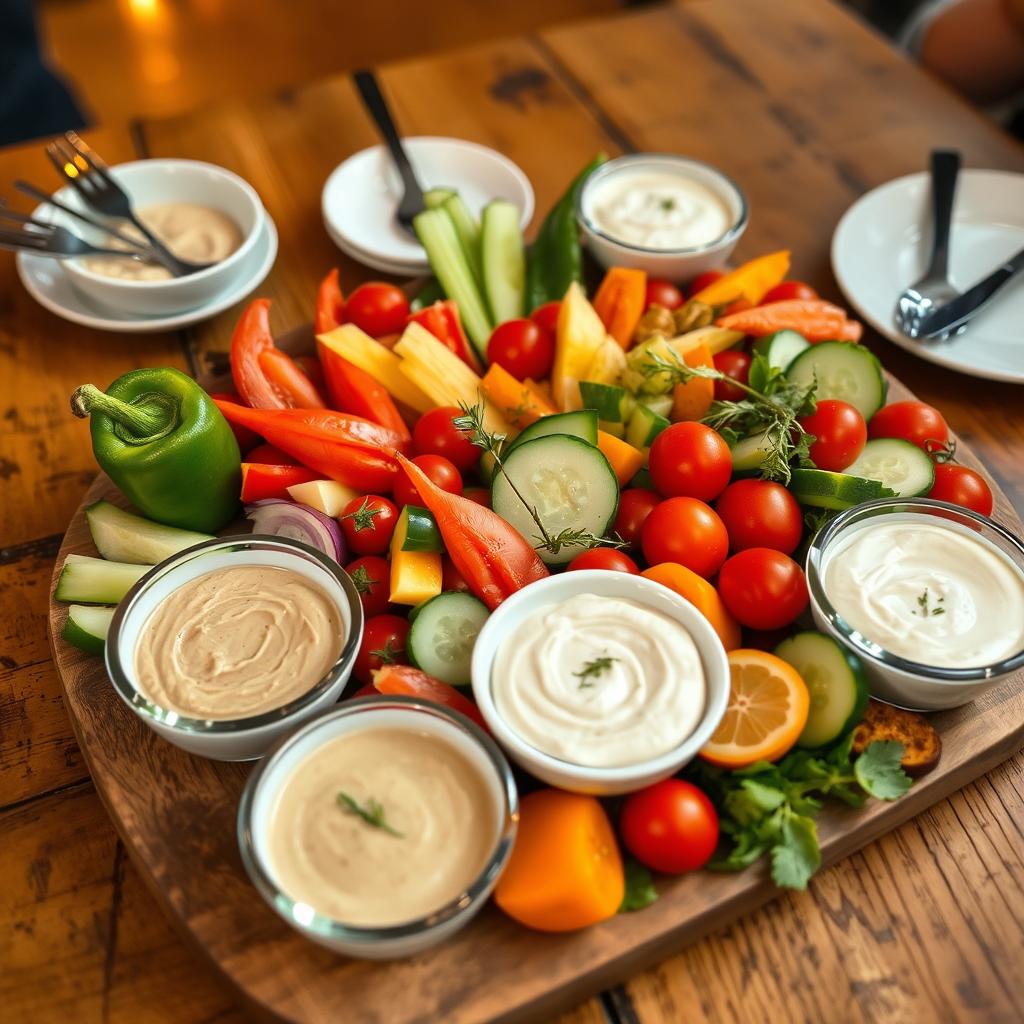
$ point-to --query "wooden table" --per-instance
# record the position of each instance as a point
(805, 107)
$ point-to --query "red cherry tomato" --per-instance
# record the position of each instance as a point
(269, 455)
(790, 290)
(451, 578)
(368, 524)
(840, 434)
(481, 495)
(663, 293)
(671, 826)
(687, 531)
(760, 514)
(604, 558)
(701, 281)
(372, 576)
(546, 316)
(440, 470)
(736, 364)
(764, 589)
(383, 644)
(916, 422)
(690, 459)
(635, 505)
(435, 434)
(522, 348)
(378, 308)
(961, 486)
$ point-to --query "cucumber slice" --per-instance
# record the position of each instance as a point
(503, 260)
(123, 537)
(844, 371)
(822, 489)
(435, 197)
(644, 426)
(897, 464)
(468, 231)
(443, 633)
(96, 581)
(581, 424)
(421, 532)
(569, 483)
(661, 404)
(836, 681)
(87, 627)
(749, 453)
(615, 429)
(612, 403)
(782, 347)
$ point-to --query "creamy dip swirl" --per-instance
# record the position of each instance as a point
(934, 594)
(354, 872)
(599, 681)
(238, 642)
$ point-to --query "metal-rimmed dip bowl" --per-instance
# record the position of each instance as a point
(895, 679)
(385, 942)
(236, 739)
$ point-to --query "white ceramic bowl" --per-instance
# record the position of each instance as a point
(265, 783)
(241, 739)
(894, 679)
(169, 181)
(554, 589)
(677, 265)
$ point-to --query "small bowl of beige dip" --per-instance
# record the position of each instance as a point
(228, 645)
(380, 827)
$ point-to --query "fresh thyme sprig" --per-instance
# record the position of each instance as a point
(923, 603)
(594, 669)
(372, 813)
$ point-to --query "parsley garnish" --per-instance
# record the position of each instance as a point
(923, 603)
(372, 813)
(362, 518)
(594, 668)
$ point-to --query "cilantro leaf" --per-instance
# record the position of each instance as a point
(797, 856)
(879, 772)
(640, 891)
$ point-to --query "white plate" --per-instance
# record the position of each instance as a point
(417, 269)
(47, 283)
(883, 243)
(360, 196)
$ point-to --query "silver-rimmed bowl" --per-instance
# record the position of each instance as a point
(236, 739)
(264, 785)
(893, 678)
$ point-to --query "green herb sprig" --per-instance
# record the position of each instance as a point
(592, 669)
(924, 603)
(372, 812)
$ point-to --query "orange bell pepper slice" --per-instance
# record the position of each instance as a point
(620, 302)
(751, 280)
(815, 319)
(702, 595)
(516, 401)
(692, 399)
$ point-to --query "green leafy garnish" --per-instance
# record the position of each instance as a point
(640, 891)
(372, 813)
(362, 518)
(594, 669)
(878, 770)
(923, 603)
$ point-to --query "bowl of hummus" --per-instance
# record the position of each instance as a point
(600, 682)
(380, 827)
(229, 644)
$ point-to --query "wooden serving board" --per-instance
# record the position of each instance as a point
(176, 815)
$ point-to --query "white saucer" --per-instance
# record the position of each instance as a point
(47, 283)
(359, 198)
(416, 269)
(883, 243)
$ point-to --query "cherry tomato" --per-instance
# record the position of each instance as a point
(663, 293)
(690, 459)
(604, 558)
(383, 644)
(764, 589)
(635, 504)
(760, 514)
(366, 690)
(790, 290)
(840, 434)
(961, 486)
(546, 316)
(435, 434)
(915, 422)
(736, 364)
(686, 531)
(269, 455)
(440, 470)
(368, 524)
(372, 576)
(522, 348)
(377, 308)
(451, 578)
(671, 826)
(701, 281)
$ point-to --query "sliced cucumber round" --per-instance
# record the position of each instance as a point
(581, 424)
(782, 347)
(836, 682)
(822, 489)
(844, 371)
(568, 482)
(897, 464)
(443, 633)
(749, 453)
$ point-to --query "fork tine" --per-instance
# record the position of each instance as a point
(68, 170)
(73, 155)
(84, 149)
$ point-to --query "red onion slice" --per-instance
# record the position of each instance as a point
(279, 517)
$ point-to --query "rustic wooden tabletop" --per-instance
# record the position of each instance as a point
(805, 107)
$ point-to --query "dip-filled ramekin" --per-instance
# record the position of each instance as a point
(901, 680)
(243, 738)
(550, 592)
(259, 810)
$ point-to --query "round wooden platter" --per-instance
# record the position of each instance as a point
(176, 815)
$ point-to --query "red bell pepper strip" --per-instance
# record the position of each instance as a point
(261, 480)
(494, 558)
(330, 304)
(442, 320)
(311, 367)
(268, 455)
(814, 319)
(411, 682)
(284, 373)
(247, 439)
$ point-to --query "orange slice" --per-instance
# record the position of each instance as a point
(768, 705)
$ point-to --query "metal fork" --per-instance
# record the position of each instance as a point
(89, 175)
(43, 239)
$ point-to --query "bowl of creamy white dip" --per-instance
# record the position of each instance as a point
(600, 682)
(380, 827)
(203, 213)
(929, 595)
(668, 215)
(226, 646)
